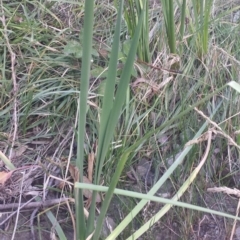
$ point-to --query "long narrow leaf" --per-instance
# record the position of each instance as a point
(106, 111)
(183, 13)
(109, 89)
(123, 85)
(115, 113)
(153, 198)
(85, 73)
(168, 14)
(57, 226)
(234, 85)
(207, 9)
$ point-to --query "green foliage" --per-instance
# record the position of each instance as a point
(169, 23)
(132, 13)
(200, 25)
(111, 110)
(73, 47)
(126, 108)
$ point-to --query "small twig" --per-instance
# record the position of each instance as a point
(31, 222)
(200, 223)
(72, 143)
(148, 170)
(63, 142)
(160, 68)
(217, 127)
(18, 211)
(73, 219)
(16, 206)
(29, 205)
(235, 221)
(135, 176)
(229, 191)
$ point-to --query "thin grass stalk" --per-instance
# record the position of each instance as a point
(172, 37)
(196, 26)
(106, 111)
(200, 7)
(4, 84)
(84, 85)
(131, 14)
(183, 14)
(234, 85)
(201, 10)
(143, 46)
(196, 13)
(144, 35)
(109, 90)
(154, 198)
(207, 10)
(169, 24)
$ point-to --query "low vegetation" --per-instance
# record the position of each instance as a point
(119, 119)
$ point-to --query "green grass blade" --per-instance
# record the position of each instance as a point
(110, 88)
(153, 198)
(171, 37)
(196, 13)
(234, 85)
(55, 223)
(168, 13)
(109, 195)
(85, 74)
(183, 13)
(6, 161)
(207, 9)
(144, 34)
(132, 13)
(123, 85)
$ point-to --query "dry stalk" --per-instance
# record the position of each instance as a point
(229, 191)
(30, 205)
(219, 131)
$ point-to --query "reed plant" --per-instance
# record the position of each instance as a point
(132, 13)
(111, 109)
(110, 113)
(199, 21)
